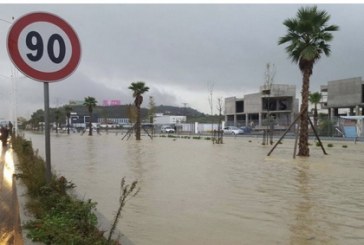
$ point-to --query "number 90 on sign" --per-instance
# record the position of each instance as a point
(45, 49)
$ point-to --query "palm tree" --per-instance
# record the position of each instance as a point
(57, 115)
(90, 103)
(138, 89)
(68, 110)
(314, 99)
(308, 36)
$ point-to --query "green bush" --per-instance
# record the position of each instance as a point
(326, 127)
(59, 218)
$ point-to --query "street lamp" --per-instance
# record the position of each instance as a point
(6, 21)
(13, 77)
(13, 112)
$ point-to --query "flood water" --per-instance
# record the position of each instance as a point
(195, 192)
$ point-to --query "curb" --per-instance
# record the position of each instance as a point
(20, 196)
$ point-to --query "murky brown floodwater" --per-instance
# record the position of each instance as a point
(194, 192)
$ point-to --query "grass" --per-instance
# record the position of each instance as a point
(185, 137)
(59, 217)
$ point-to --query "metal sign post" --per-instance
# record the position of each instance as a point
(48, 174)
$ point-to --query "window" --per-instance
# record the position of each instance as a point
(240, 117)
(239, 105)
(269, 104)
(230, 118)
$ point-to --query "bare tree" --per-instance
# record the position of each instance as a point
(219, 139)
(269, 74)
(210, 88)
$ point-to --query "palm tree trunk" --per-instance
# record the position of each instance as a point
(90, 126)
(68, 125)
(315, 116)
(303, 149)
(137, 131)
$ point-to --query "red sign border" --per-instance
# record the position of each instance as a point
(13, 39)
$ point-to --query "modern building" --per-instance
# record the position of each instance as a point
(278, 101)
(346, 95)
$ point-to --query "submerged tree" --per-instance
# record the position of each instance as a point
(314, 99)
(90, 103)
(308, 35)
(68, 110)
(220, 134)
(57, 116)
(138, 89)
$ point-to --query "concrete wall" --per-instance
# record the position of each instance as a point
(344, 93)
(283, 90)
(253, 103)
(230, 105)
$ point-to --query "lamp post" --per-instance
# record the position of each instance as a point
(13, 111)
(13, 77)
(6, 21)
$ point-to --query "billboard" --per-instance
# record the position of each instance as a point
(111, 102)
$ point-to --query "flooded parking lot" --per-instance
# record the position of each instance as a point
(195, 192)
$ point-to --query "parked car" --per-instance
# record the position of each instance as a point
(167, 129)
(247, 130)
(233, 130)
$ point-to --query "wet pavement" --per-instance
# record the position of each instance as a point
(10, 228)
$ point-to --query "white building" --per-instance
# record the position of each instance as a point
(168, 119)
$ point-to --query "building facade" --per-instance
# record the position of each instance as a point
(343, 97)
(277, 103)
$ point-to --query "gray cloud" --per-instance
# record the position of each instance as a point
(178, 49)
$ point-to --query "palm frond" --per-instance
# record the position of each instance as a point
(138, 88)
(308, 35)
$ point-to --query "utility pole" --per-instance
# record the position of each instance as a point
(185, 108)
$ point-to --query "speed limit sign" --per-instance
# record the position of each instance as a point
(44, 47)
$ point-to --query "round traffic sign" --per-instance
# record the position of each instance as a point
(44, 47)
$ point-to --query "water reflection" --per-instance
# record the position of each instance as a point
(90, 150)
(135, 155)
(194, 192)
(305, 228)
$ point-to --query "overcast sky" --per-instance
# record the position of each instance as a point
(178, 49)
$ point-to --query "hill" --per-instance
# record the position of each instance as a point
(118, 111)
(122, 111)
